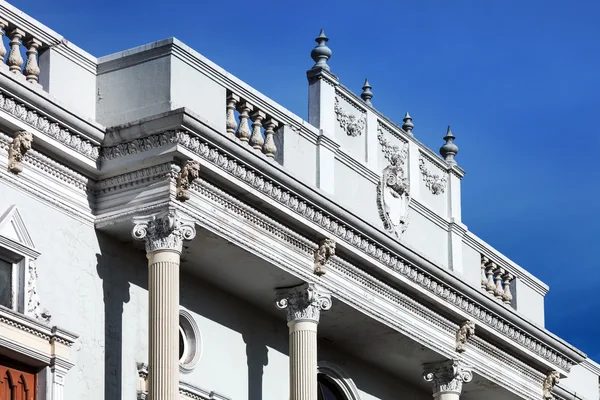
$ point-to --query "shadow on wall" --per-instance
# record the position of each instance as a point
(258, 330)
(117, 269)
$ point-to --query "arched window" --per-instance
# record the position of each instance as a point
(328, 389)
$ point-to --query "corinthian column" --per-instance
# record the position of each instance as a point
(303, 304)
(447, 379)
(164, 235)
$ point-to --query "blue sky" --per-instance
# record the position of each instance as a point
(518, 81)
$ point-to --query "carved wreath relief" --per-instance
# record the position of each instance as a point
(19, 146)
(393, 195)
(188, 174)
(434, 182)
(325, 251)
(348, 122)
(464, 332)
(551, 380)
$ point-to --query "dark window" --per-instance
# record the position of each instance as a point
(328, 389)
(6, 282)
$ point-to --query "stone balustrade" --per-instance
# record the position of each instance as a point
(21, 57)
(496, 281)
(255, 127)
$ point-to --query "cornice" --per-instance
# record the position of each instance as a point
(142, 176)
(352, 285)
(376, 246)
(327, 142)
(36, 328)
(357, 166)
(346, 95)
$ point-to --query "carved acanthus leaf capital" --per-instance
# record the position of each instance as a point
(163, 231)
(447, 376)
(304, 302)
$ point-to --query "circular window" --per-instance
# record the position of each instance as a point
(189, 342)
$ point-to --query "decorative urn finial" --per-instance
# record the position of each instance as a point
(321, 53)
(367, 95)
(408, 124)
(449, 150)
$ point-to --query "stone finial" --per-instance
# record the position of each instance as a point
(321, 53)
(449, 150)
(325, 251)
(304, 302)
(447, 376)
(551, 380)
(19, 146)
(188, 174)
(367, 95)
(464, 332)
(408, 124)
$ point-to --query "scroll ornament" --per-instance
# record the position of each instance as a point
(325, 251)
(393, 192)
(19, 146)
(348, 122)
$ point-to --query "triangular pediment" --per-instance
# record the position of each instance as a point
(13, 227)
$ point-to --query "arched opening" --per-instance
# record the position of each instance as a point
(328, 389)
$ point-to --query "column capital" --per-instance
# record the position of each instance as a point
(447, 376)
(163, 231)
(304, 302)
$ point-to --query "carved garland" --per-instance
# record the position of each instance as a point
(434, 182)
(342, 231)
(52, 129)
(348, 122)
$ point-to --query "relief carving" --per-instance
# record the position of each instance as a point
(393, 192)
(348, 122)
(187, 175)
(551, 380)
(434, 182)
(464, 332)
(325, 251)
(19, 146)
(34, 307)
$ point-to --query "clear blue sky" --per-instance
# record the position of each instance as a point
(518, 81)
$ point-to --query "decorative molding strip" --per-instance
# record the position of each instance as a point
(371, 293)
(347, 95)
(145, 175)
(52, 129)
(352, 125)
(434, 182)
(384, 127)
(376, 252)
(356, 165)
(36, 328)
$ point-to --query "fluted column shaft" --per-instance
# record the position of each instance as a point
(303, 304)
(163, 325)
(164, 235)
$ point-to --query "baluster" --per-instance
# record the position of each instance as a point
(484, 261)
(243, 132)
(14, 60)
(490, 285)
(257, 140)
(269, 148)
(32, 69)
(231, 124)
(499, 292)
(3, 26)
(507, 297)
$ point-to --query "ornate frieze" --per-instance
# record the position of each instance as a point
(34, 307)
(340, 230)
(352, 125)
(17, 149)
(434, 182)
(325, 251)
(447, 376)
(185, 177)
(393, 192)
(551, 380)
(164, 231)
(463, 333)
(304, 302)
(52, 129)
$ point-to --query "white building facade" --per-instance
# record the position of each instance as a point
(169, 232)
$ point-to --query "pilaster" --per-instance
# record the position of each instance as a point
(447, 378)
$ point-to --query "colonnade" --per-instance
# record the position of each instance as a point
(164, 235)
